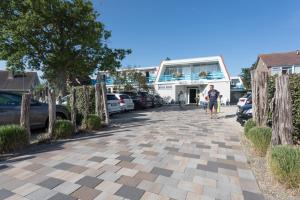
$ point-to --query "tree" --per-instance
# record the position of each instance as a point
(246, 76)
(130, 79)
(62, 38)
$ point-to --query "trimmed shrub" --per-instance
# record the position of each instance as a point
(93, 122)
(284, 162)
(248, 125)
(12, 137)
(260, 137)
(295, 96)
(63, 129)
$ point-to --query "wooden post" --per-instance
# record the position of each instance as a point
(282, 124)
(253, 86)
(98, 100)
(73, 108)
(25, 114)
(262, 88)
(86, 105)
(51, 111)
(104, 97)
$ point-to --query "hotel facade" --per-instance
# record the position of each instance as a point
(192, 77)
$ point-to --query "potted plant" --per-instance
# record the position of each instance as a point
(203, 74)
(178, 74)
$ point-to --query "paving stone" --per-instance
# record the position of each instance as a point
(171, 149)
(5, 194)
(89, 181)
(63, 166)
(161, 171)
(41, 193)
(97, 159)
(127, 180)
(85, 193)
(173, 192)
(146, 176)
(125, 158)
(51, 183)
(26, 189)
(252, 196)
(67, 188)
(129, 192)
(61, 196)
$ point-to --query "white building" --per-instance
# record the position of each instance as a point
(192, 77)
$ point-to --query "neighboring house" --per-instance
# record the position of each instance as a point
(279, 63)
(20, 82)
(237, 89)
(192, 77)
(149, 72)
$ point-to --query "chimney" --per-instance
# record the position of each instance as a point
(10, 75)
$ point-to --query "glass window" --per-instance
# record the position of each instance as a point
(111, 97)
(10, 100)
(124, 96)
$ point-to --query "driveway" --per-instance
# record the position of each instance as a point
(164, 153)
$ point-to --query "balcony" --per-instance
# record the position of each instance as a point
(192, 77)
(112, 80)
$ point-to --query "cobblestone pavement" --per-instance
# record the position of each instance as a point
(163, 153)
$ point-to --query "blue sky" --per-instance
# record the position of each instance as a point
(237, 29)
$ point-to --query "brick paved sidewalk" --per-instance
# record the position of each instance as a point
(163, 153)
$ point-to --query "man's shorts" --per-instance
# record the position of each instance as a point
(213, 104)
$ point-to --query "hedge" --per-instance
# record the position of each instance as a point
(248, 125)
(12, 138)
(63, 129)
(295, 96)
(284, 162)
(93, 122)
(260, 137)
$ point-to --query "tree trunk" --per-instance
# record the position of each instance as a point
(98, 100)
(52, 111)
(25, 114)
(73, 108)
(86, 105)
(104, 97)
(282, 124)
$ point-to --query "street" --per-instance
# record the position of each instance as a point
(164, 153)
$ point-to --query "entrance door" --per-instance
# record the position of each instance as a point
(193, 93)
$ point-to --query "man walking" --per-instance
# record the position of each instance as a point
(213, 100)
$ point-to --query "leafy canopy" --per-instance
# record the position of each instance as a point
(62, 38)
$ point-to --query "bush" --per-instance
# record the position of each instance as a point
(284, 162)
(63, 129)
(260, 137)
(12, 137)
(248, 125)
(93, 122)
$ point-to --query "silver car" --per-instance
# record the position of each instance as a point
(10, 111)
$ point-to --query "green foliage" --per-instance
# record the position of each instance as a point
(295, 96)
(63, 129)
(80, 100)
(93, 122)
(248, 125)
(284, 162)
(12, 137)
(130, 79)
(63, 39)
(260, 137)
(246, 76)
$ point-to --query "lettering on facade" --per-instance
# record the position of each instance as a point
(165, 87)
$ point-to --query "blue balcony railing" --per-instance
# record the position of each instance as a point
(112, 80)
(192, 77)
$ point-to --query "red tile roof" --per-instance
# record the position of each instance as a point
(281, 59)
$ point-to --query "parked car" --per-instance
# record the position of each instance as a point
(246, 99)
(141, 99)
(158, 100)
(10, 111)
(125, 101)
(113, 104)
(244, 113)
